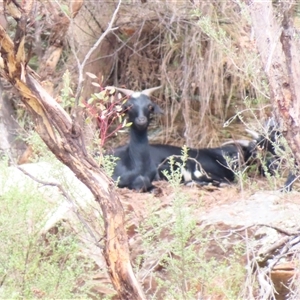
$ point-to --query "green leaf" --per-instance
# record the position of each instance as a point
(65, 8)
(91, 100)
(100, 95)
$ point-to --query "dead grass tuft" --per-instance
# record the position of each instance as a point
(206, 63)
(201, 51)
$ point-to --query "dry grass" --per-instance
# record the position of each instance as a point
(202, 52)
(206, 63)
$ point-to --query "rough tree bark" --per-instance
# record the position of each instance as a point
(57, 38)
(276, 42)
(64, 139)
(48, 62)
(9, 142)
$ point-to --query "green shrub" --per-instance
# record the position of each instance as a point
(179, 246)
(33, 266)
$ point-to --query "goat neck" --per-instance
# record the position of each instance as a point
(139, 144)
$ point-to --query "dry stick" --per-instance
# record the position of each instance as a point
(264, 277)
(289, 233)
(98, 42)
(284, 251)
(76, 129)
(285, 243)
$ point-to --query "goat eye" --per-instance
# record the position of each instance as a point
(151, 108)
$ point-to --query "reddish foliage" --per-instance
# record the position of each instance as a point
(106, 109)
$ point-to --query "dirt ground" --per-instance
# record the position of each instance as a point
(208, 197)
(259, 205)
(252, 212)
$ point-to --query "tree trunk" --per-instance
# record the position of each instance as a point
(9, 143)
(57, 38)
(276, 42)
(65, 140)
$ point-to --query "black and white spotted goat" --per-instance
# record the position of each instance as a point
(135, 168)
(215, 166)
(270, 141)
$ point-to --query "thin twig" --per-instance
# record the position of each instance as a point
(69, 199)
(96, 45)
(283, 231)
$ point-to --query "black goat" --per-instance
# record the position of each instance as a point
(205, 166)
(135, 168)
(270, 143)
(140, 163)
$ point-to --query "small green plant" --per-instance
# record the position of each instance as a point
(237, 166)
(178, 256)
(176, 166)
(182, 254)
(67, 98)
(32, 266)
(108, 162)
(40, 149)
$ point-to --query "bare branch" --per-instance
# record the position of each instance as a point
(95, 46)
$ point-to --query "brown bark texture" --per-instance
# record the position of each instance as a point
(65, 140)
(57, 37)
(277, 45)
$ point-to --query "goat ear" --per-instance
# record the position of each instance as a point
(148, 92)
(157, 109)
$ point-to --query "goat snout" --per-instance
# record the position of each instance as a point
(141, 122)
